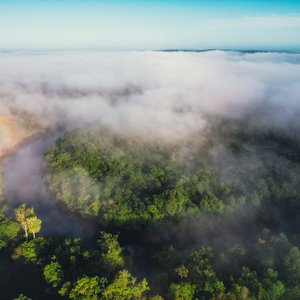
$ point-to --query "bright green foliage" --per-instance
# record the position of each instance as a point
(65, 289)
(34, 225)
(87, 288)
(9, 229)
(3, 244)
(126, 180)
(182, 291)
(22, 214)
(53, 273)
(28, 220)
(214, 287)
(273, 288)
(33, 251)
(111, 251)
(175, 201)
(125, 286)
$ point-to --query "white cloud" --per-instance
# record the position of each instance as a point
(165, 94)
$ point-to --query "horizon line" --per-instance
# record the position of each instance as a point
(103, 49)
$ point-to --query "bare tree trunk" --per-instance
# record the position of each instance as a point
(26, 231)
(33, 235)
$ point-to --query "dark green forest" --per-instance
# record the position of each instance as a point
(213, 215)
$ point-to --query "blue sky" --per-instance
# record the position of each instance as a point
(232, 24)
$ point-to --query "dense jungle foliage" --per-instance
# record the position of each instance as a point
(212, 216)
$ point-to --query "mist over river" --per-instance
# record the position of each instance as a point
(23, 183)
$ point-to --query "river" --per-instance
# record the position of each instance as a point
(23, 183)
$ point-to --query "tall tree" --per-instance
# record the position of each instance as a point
(28, 220)
(292, 265)
(34, 225)
(126, 287)
(111, 251)
(182, 291)
(53, 273)
(88, 288)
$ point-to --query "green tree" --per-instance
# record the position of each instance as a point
(200, 264)
(214, 287)
(249, 279)
(28, 220)
(87, 288)
(65, 289)
(203, 274)
(293, 292)
(111, 251)
(34, 225)
(182, 291)
(175, 201)
(3, 210)
(125, 287)
(292, 265)
(34, 250)
(9, 229)
(53, 273)
(273, 288)
(240, 292)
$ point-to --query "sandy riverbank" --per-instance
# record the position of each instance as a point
(13, 130)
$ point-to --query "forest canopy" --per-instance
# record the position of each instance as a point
(237, 177)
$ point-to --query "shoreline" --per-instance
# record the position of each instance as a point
(43, 134)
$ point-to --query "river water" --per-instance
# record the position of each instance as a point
(23, 183)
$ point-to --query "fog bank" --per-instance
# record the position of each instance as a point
(155, 93)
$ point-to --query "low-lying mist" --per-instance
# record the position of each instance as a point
(156, 94)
